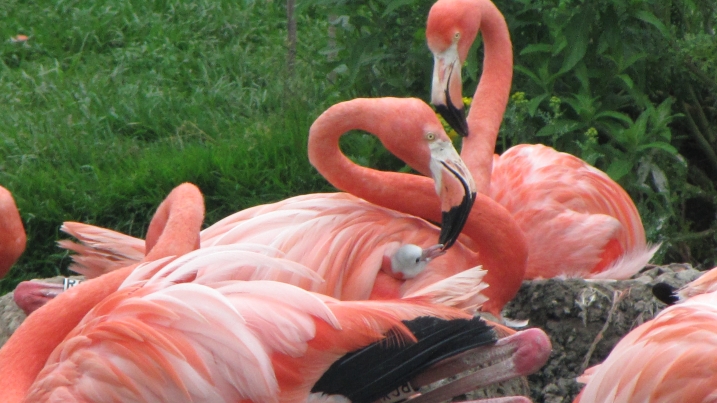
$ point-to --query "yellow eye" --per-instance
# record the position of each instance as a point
(430, 136)
(457, 35)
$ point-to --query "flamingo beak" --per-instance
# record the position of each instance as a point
(432, 252)
(446, 89)
(455, 188)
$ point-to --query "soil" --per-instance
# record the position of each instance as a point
(584, 319)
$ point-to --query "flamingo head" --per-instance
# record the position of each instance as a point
(418, 139)
(410, 260)
(450, 31)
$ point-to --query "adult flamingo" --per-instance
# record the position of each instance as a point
(12, 233)
(668, 359)
(578, 222)
(211, 336)
(350, 263)
(155, 288)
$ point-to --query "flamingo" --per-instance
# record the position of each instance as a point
(578, 222)
(667, 359)
(188, 329)
(346, 239)
(192, 328)
(12, 233)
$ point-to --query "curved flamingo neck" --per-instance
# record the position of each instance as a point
(397, 191)
(174, 229)
(12, 233)
(502, 248)
(499, 241)
(25, 353)
(491, 96)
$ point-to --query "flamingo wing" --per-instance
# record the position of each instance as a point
(100, 250)
(214, 340)
(342, 238)
(578, 221)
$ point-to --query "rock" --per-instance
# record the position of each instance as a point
(585, 319)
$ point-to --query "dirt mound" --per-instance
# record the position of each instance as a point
(584, 319)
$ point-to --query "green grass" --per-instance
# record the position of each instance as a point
(110, 105)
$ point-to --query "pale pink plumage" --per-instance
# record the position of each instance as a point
(578, 222)
(213, 338)
(341, 237)
(670, 359)
(100, 249)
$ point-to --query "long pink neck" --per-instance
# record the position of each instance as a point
(25, 353)
(12, 233)
(397, 191)
(174, 229)
(491, 96)
(500, 243)
(502, 249)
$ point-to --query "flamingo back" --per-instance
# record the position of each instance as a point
(213, 339)
(578, 221)
(343, 238)
(668, 359)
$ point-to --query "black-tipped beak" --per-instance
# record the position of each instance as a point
(432, 252)
(455, 218)
(446, 89)
(453, 222)
(454, 116)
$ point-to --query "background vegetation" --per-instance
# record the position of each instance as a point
(112, 103)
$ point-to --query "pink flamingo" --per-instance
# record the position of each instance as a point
(578, 222)
(188, 329)
(348, 240)
(12, 233)
(191, 328)
(667, 359)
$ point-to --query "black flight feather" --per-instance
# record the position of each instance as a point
(375, 370)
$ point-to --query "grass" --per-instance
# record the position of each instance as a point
(110, 105)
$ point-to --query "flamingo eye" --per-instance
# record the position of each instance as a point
(430, 136)
(457, 36)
